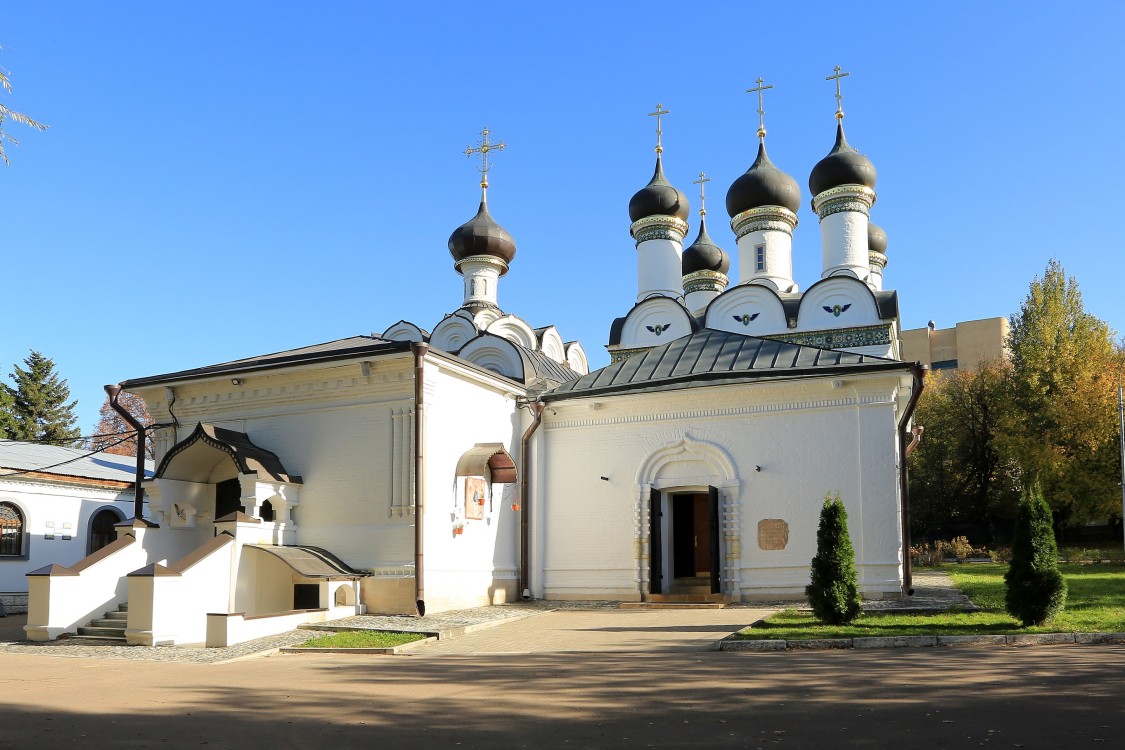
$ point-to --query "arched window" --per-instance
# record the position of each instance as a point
(102, 530)
(265, 511)
(11, 530)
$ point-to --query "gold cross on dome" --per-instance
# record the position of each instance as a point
(486, 146)
(660, 112)
(703, 180)
(761, 112)
(839, 97)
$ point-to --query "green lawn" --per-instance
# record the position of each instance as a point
(362, 639)
(1095, 603)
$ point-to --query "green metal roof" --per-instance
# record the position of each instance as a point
(712, 357)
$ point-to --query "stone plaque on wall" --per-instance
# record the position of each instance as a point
(773, 533)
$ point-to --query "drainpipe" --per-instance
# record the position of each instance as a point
(525, 471)
(113, 391)
(906, 446)
(419, 349)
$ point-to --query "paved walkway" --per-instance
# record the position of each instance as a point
(520, 628)
(602, 630)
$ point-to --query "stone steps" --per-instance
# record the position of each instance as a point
(108, 628)
(673, 605)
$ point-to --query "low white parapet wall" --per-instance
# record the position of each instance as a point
(236, 627)
(169, 604)
(60, 599)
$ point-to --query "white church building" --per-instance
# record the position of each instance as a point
(477, 460)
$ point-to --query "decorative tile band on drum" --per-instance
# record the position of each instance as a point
(840, 338)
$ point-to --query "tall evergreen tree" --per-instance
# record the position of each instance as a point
(1036, 589)
(7, 113)
(7, 418)
(833, 590)
(40, 406)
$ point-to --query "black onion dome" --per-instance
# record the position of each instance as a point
(705, 255)
(481, 235)
(876, 239)
(843, 166)
(658, 198)
(763, 185)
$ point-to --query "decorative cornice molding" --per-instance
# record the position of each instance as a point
(705, 281)
(485, 260)
(620, 355)
(777, 218)
(658, 228)
(858, 198)
(732, 411)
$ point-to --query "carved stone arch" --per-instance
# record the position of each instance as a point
(702, 464)
(576, 358)
(749, 309)
(496, 354)
(551, 344)
(515, 330)
(485, 317)
(454, 332)
(721, 466)
(655, 321)
(838, 302)
(404, 330)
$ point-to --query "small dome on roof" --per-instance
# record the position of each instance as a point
(658, 198)
(481, 235)
(843, 166)
(876, 239)
(704, 255)
(763, 184)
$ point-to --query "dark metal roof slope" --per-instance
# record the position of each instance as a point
(546, 368)
(311, 562)
(352, 346)
(250, 458)
(712, 357)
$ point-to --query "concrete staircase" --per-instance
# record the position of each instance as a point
(110, 628)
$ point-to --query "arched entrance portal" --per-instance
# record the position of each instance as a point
(687, 493)
(101, 529)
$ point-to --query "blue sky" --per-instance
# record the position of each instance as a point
(228, 179)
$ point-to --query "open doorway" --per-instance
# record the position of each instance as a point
(684, 543)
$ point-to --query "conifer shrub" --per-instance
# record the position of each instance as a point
(1036, 590)
(833, 590)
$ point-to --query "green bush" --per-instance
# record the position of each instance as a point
(1000, 555)
(833, 591)
(1072, 554)
(960, 548)
(1036, 590)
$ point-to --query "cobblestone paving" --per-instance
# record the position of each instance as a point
(90, 649)
(933, 589)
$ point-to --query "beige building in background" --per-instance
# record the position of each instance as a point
(965, 345)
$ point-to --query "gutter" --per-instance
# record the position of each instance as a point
(907, 442)
(419, 349)
(525, 470)
(113, 391)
